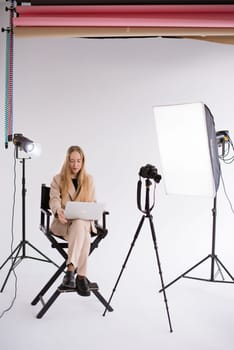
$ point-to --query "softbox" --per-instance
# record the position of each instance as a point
(188, 149)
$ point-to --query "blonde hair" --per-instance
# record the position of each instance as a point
(82, 177)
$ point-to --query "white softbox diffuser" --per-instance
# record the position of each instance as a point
(188, 149)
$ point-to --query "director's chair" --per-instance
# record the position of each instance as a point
(61, 246)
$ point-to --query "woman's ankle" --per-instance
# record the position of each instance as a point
(70, 267)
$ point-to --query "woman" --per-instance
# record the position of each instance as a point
(73, 184)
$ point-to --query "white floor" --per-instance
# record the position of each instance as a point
(201, 314)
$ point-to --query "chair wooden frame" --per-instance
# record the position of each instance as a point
(61, 246)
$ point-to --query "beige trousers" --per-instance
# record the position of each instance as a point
(77, 233)
(79, 245)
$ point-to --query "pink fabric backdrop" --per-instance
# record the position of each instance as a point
(193, 16)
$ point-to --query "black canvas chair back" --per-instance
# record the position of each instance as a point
(61, 245)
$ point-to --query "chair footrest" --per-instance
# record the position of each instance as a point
(93, 286)
(63, 289)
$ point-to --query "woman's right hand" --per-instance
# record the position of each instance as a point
(61, 216)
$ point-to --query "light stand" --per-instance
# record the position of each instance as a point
(222, 138)
(19, 253)
(148, 172)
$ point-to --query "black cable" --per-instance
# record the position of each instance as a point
(12, 237)
(225, 192)
(225, 155)
(227, 147)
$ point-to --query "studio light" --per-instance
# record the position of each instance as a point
(223, 142)
(222, 137)
(23, 143)
(188, 149)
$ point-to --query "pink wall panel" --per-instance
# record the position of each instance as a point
(193, 16)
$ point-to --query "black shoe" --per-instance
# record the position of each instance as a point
(82, 286)
(69, 280)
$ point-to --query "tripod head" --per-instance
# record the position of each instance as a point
(148, 172)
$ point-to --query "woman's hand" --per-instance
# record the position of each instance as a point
(61, 217)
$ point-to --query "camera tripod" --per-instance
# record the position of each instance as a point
(146, 214)
(16, 257)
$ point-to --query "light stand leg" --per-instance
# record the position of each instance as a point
(17, 258)
(10, 256)
(12, 266)
(212, 256)
(22, 245)
(184, 274)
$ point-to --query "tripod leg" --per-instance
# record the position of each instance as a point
(102, 300)
(42, 254)
(218, 262)
(10, 256)
(185, 273)
(213, 275)
(125, 262)
(12, 264)
(160, 270)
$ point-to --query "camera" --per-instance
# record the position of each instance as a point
(149, 171)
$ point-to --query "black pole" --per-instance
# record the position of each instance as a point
(23, 208)
(147, 206)
(214, 214)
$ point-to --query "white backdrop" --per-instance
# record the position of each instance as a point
(99, 94)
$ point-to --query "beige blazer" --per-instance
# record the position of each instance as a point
(55, 204)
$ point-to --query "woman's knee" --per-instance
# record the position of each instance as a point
(77, 225)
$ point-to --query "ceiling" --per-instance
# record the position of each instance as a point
(201, 20)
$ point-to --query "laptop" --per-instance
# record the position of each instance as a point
(83, 210)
